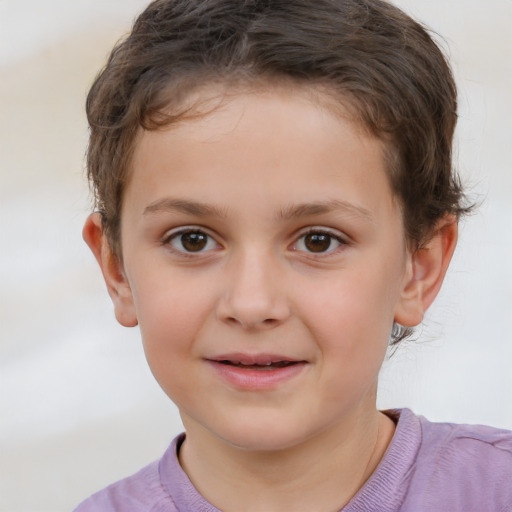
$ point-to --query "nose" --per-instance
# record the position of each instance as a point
(253, 295)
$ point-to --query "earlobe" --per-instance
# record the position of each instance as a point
(426, 269)
(117, 284)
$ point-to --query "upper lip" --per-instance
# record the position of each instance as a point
(249, 359)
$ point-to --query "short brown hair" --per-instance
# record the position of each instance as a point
(368, 53)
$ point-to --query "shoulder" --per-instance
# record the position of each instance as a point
(141, 491)
(478, 450)
(161, 486)
(464, 467)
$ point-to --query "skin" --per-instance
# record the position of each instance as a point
(256, 175)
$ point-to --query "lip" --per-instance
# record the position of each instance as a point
(256, 379)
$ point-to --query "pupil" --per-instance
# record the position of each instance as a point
(316, 242)
(194, 241)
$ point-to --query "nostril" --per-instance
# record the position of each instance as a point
(267, 322)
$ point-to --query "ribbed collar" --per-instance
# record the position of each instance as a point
(386, 488)
(384, 491)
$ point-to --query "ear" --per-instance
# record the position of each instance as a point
(426, 268)
(112, 269)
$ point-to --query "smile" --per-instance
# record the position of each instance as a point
(266, 366)
(256, 372)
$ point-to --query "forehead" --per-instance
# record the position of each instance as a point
(278, 146)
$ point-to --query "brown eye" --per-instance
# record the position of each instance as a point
(192, 241)
(318, 242)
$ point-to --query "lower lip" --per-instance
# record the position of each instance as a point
(251, 379)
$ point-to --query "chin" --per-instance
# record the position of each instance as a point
(261, 442)
(266, 436)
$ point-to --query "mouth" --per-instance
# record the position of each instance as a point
(271, 365)
(257, 372)
(256, 361)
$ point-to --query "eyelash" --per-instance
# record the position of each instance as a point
(176, 235)
(322, 231)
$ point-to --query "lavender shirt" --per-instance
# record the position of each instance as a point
(427, 467)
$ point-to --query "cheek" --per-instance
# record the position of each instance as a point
(351, 319)
(171, 312)
(354, 307)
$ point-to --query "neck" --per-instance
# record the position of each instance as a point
(322, 473)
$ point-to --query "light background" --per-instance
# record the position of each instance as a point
(78, 406)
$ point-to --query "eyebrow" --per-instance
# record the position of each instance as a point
(296, 210)
(322, 207)
(184, 206)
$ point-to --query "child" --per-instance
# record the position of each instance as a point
(276, 203)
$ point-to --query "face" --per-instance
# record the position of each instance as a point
(265, 257)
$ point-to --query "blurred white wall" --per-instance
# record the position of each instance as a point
(78, 406)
